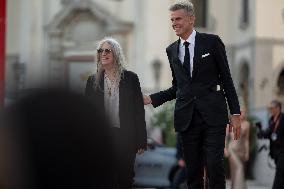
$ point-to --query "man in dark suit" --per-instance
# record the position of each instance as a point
(201, 85)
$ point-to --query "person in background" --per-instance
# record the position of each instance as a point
(238, 153)
(119, 94)
(275, 134)
(180, 176)
(272, 132)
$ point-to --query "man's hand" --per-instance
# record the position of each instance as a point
(235, 125)
(140, 151)
(147, 99)
(181, 162)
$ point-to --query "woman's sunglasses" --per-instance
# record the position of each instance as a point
(107, 51)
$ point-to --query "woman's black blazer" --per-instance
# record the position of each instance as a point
(131, 108)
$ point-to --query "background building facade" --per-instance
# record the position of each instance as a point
(53, 43)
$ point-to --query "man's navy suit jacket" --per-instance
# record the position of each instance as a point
(210, 68)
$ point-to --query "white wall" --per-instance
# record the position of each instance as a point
(121, 9)
(35, 70)
(226, 15)
(13, 27)
(270, 19)
(24, 35)
(156, 37)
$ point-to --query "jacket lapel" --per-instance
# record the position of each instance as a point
(197, 54)
(122, 94)
(101, 91)
(175, 51)
(176, 60)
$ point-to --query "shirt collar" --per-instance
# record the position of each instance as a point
(190, 39)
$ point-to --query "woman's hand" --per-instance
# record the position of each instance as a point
(140, 151)
(226, 152)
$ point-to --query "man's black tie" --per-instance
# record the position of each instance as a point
(186, 60)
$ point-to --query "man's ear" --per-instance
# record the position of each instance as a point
(192, 19)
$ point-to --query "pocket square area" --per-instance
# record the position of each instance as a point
(204, 55)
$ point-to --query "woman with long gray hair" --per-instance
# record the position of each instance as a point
(119, 95)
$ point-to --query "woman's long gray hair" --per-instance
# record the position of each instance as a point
(119, 60)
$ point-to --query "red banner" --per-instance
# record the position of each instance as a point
(2, 50)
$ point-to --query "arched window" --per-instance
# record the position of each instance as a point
(200, 13)
(245, 11)
(244, 84)
(244, 14)
(280, 83)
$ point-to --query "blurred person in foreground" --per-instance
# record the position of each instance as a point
(119, 94)
(238, 153)
(53, 139)
(201, 85)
